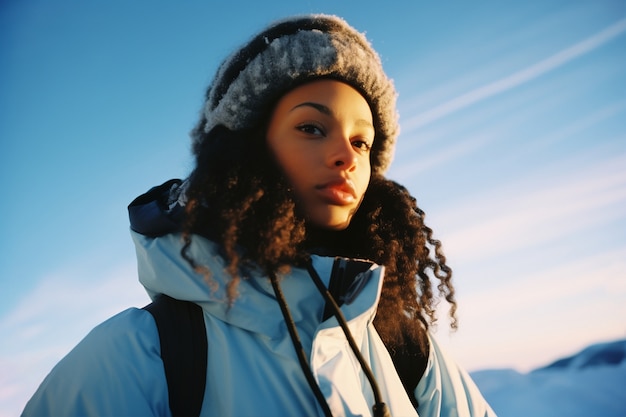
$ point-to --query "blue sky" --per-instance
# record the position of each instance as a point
(513, 139)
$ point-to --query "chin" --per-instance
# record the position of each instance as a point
(335, 221)
(335, 224)
(337, 228)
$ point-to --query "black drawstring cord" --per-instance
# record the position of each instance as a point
(379, 409)
(297, 344)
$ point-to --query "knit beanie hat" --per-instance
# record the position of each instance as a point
(289, 53)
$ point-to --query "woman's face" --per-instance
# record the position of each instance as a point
(321, 134)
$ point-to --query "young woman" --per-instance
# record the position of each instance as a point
(316, 275)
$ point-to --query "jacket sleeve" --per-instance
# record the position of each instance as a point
(116, 370)
(447, 390)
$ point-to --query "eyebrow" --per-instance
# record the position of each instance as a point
(319, 107)
(327, 111)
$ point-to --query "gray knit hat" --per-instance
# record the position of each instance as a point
(289, 53)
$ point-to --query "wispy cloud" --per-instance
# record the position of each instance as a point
(580, 124)
(558, 304)
(408, 167)
(531, 276)
(570, 197)
(517, 78)
(537, 252)
(530, 121)
(55, 316)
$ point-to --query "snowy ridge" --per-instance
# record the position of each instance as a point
(591, 383)
(612, 353)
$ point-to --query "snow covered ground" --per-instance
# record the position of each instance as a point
(591, 383)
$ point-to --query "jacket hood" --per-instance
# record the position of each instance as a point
(155, 218)
(158, 211)
(163, 270)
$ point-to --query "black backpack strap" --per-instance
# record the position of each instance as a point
(184, 352)
(410, 364)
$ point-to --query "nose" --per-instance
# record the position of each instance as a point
(342, 154)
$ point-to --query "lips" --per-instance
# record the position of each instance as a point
(338, 192)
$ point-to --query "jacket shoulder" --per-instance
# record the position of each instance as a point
(115, 370)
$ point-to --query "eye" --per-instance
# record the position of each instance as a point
(362, 145)
(311, 129)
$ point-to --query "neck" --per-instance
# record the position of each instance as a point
(329, 242)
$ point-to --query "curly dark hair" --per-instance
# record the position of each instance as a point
(238, 197)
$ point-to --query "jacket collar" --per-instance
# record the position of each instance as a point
(162, 269)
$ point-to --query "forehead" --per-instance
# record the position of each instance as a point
(334, 98)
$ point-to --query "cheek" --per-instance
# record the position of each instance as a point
(293, 168)
(287, 162)
(292, 157)
(364, 177)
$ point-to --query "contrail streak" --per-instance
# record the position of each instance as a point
(519, 77)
